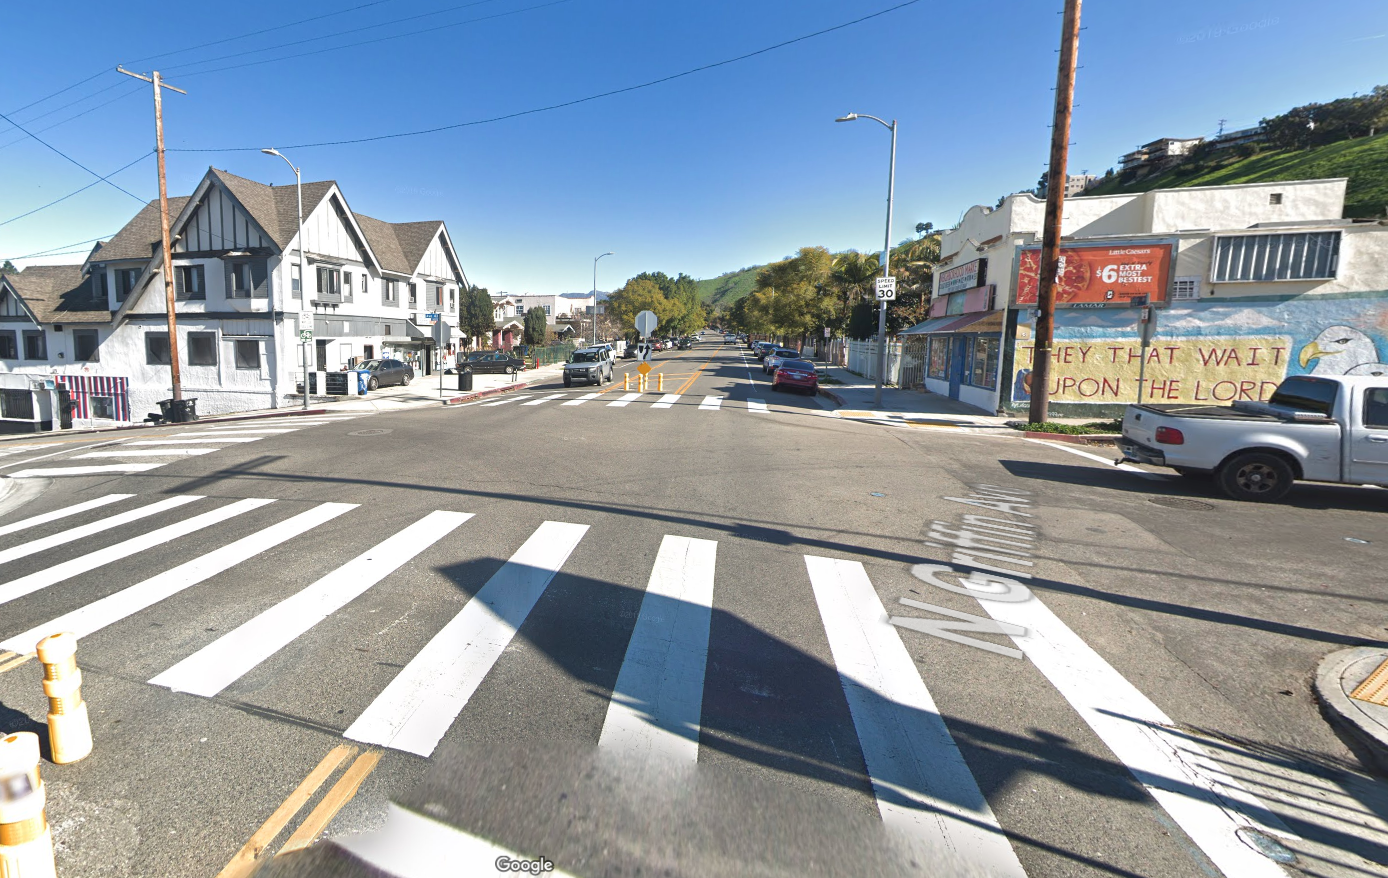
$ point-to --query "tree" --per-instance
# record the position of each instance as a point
(476, 316)
(641, 294)
(8, 268)
(924, 228)
(536, 329)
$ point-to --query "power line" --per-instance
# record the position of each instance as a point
(62, 247)
(104, 179)
(99, 178)
(106, 103)
(573, 102)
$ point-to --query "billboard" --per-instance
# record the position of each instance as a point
(963, 277)
(1103, 276)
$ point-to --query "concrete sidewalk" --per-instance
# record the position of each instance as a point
(853, 395)
(424, 391)
(1347, 673)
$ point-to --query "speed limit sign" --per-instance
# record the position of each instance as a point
(886, 289)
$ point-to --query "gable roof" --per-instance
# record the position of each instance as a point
(274, 208)
(415, 239)
(58, 294)
(381, 238)
(139, 238)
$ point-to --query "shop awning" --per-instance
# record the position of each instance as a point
(985, 321)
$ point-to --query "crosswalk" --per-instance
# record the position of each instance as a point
(137, 455)
(922, 785)
(633, 399)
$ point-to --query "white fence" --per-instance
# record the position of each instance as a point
(863, 355)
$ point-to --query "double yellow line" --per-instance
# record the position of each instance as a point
(252, 856)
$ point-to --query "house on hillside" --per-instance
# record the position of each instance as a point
(373, 287)
(1158, 155)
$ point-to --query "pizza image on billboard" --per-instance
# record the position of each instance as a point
(1097, 277)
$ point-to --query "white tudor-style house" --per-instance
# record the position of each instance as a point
(89, 342)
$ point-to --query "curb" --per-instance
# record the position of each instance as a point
(509, 388)
(1366, 724)
(1092, 439)
(838, 400)
(14, 437)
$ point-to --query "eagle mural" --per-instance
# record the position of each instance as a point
(1343, 350)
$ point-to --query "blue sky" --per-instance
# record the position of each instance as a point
(705, 174)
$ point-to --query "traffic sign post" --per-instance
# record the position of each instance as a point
(305, 339)
(886, 289)
(443, 333)
(646, 322)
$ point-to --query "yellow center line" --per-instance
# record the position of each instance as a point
(687, 384)
(247, 860)
(341, 793)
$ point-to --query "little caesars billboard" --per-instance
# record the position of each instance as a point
(1103, 276)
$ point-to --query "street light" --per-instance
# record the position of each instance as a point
(886, 253)
(303, 277)
(595, 295)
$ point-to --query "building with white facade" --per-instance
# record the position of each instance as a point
(1248, 284)
(375, 289)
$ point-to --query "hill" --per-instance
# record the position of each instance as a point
(728, 288)
(1363, 160)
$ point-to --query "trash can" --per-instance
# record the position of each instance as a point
(465, 378)
(178, 411)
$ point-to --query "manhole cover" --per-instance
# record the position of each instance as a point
(1182, 503)
(368, 432)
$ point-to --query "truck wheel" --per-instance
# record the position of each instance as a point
(1257, 477)
(568, 382)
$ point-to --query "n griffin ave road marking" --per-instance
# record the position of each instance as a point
(1208, 804)
(924, 788)
(659, 696)
(421, 703)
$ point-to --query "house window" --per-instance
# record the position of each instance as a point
(295, 284)
(452, 300)
(9, 350)
(100, 288)
(414, 299)
(939, 357)
(247, 353)
(984, 371)
(1295, 256)
(35, 345)
(438, 296)
(125, 282)
(1275, 198)
(189, 283)
(202, 348)
(548, 312)
(17, 404)
(328, 280)
(347, 286)
(103, 407)
(239, 284)
(520, 309)
(157, 349)
(84, 345)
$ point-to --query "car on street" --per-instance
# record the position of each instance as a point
(499, 362)
(728, 339)
(774, 357)
(762, 348)
(1312, 428)
(793, 374)
(386, 372)
(588, 366)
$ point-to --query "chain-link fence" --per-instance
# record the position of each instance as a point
(537, 355)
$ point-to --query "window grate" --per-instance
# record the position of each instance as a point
(1294, 256)
(1185, 288)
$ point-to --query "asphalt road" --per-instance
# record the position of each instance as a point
(476, 582)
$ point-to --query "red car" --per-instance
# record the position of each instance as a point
(797, 374)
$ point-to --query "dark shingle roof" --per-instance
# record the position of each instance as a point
(415, 238)
(59, 294)
(141, 235)
(275, 208)
(382, 238)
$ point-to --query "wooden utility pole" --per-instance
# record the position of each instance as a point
(1055, 205)
(169, 298)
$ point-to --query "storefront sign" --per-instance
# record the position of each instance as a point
(962, 277)
(1099, 276)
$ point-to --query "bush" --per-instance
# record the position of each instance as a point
(1092, 428)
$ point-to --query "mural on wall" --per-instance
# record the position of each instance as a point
(1208, 352)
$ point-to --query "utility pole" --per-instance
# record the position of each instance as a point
(1055, 205)
(169, 301)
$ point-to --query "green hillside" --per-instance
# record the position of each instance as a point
(1363, 160)
(728, 288)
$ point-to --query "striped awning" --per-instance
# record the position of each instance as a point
(84, 387)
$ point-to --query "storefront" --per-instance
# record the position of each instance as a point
(958, 350)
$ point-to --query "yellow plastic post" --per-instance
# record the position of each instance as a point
(660, 382)
(626, 381)
(26, 843)
(69, 729)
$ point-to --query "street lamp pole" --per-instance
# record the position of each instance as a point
(595, 296)
(303, 276)
(886, 254)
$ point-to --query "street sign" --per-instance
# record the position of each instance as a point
(886, 289)
(826, 332)
(306, 321)
(431, 315)
(306, 336)
(644, 368)
(442, 334)
(646, 323)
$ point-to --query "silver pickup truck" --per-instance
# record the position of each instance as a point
(1331, 429)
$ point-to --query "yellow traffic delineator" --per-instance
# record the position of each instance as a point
(69, 729)
(26, 843)
(660, 382)
(626, 381)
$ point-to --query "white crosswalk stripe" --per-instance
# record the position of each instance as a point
(711, 403)
(194, 441)
(96, 470)
(230, 657)
(756, 405)
(24, 550)
(65, 512)
(544, 399)
(582, 399)
(420, 704)
(924, 788)
(20, 449)
(625, 399)
(666, 401)
(505, 399)
(147, 452)
(244, 432)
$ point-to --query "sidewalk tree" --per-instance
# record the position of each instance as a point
(536, 329)
(476, 315)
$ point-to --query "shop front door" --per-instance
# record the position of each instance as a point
(958, 362)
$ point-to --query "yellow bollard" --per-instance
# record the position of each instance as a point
(69, 730)
(626, 381)
(660, 382)
(26, 843)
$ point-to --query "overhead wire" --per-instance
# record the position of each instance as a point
(92, 109)
(570, 103)
(79, 191)
(100, 179)
(54, 251)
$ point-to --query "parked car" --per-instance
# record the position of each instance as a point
(797, 375)
(685, 344)
(630, 352)
(1320, 429)
(589, 366)
(494, 361)
(386, 372)
(762, 348)
(728, 339)
(774, 357)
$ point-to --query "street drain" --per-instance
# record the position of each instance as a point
(1182, 503)
(368, 432)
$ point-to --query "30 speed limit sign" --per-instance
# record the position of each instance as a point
(886, 289)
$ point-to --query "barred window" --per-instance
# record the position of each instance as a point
(1297, 256)
(939, 357)
(984, 371)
